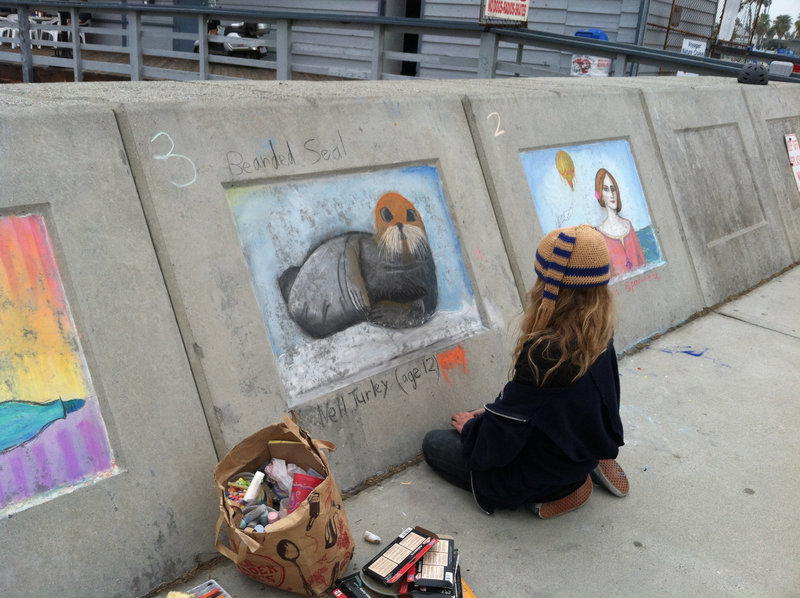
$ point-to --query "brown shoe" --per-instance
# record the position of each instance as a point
(611, 475)
(548, 510)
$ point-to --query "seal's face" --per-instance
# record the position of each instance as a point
(398, 228)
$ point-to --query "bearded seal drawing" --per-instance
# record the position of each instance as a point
(387, 278)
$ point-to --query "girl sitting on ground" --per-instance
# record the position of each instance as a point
(556, 424)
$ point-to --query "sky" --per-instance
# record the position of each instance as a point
(785, 7)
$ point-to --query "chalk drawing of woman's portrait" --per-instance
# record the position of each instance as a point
(596, 184)
(624, 251)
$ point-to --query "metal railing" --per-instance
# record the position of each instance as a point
(128, 36)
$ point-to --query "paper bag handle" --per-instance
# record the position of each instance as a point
(324, 444)
(236, 557)
(290, 421)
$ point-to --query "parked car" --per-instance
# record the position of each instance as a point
(241, 39)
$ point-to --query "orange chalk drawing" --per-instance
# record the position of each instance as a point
(566, 168)
(451, 360)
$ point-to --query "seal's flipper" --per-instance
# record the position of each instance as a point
(286, 280)
(351, 281)
(391, 314)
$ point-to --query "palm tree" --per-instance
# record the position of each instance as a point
(797, 27)
(752, 12)
(762, 27)
(782, 24)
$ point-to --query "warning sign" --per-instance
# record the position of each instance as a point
(512, 10)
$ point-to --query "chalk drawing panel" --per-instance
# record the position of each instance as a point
(288, 224)
(723, 215)
(52, 435)
(561, 181)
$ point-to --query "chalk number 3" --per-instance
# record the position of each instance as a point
(170, 154)
(497, 131)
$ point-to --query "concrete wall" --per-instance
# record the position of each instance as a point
(346, 386)
(774, 114)
(174, 209)
(598, 116)
(124, 527)
(730, 212)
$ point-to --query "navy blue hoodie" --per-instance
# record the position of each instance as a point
(535, 440)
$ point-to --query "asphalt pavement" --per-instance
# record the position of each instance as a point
(711, 412)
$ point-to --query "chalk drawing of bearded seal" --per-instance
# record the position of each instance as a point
(387, 278)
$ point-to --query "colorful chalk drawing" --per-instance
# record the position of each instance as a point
(386, 277)
(565, 168)
(604, 191)
(285, 225)
(52, 436)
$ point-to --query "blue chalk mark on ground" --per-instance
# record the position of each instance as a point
(685, 350)
(689, 350)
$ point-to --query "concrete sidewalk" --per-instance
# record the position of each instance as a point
(711, 412)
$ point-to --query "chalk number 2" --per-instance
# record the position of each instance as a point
(497, 131)
(170, 154)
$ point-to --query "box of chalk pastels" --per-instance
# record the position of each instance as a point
(437, 568)
(416, 564)
(389, 565)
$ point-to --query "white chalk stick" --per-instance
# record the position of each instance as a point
(372, 538)
(254, 487)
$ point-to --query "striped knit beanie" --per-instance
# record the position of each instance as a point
(573, 257)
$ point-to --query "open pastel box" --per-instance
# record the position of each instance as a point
(437, 567)
(400, 555)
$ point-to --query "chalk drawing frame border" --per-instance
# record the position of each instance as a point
(88, 368)
(635, 205)
(462, 320)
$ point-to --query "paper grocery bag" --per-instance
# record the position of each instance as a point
(304, 552)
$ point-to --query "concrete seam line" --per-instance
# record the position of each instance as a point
(376, 479)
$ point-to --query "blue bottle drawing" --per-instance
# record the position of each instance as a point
(21, 421)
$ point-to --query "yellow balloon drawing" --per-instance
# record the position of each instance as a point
(565, 168)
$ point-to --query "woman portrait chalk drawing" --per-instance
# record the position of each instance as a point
(608, 195)
(625, 252)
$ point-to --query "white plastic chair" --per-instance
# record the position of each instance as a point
(9, 27)
(40, 31)
(81, 34)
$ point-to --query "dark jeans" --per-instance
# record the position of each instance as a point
(442, 451)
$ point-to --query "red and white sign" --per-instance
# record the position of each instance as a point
(512, 10)
(590, 66)
(794, 156)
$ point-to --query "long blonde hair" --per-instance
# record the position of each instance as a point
(579, 330)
